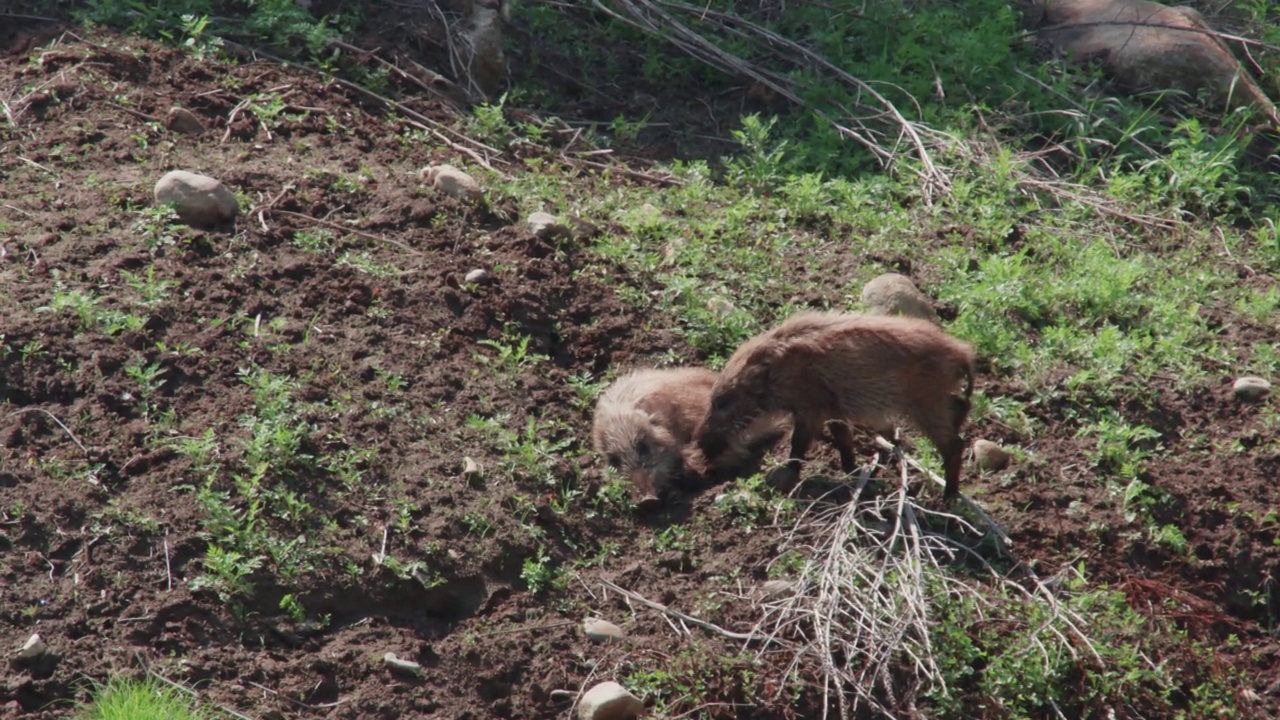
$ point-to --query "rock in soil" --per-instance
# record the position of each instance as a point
(546, 226)
(453, 182)
(774, 588)
(1251, 389)
(33, 649)
(602, 630)
(894, 294)
(183, 121)
(990, 456)
(479, 276)
(406, 667)
(609, 701)
(199, 199)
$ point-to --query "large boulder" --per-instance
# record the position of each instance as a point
(1147, 46)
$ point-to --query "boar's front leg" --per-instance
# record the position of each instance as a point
(842, 436)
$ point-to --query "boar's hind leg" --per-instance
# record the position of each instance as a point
(843, 438)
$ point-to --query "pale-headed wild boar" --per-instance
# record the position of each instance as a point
(866, 370)
(645, 421)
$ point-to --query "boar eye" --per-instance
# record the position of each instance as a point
(614, 462)
(720, 403)
(642, 448)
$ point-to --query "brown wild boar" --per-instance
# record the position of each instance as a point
(866, 370)
(645, 420)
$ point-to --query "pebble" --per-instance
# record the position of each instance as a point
(895, 294)
(990, 456)
(479, 276)
(33, 648)
(183, 121)
(1251, 389)
(563, 697)
(407, 667)
(609, 701)
(471, 469)
(453, 182)
(200, 199)
(602, 630)
(546, 226)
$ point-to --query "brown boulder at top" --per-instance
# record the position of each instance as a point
(1147, 46)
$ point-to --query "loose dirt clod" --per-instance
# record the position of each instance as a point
(1251, 389)
(609, 701)
(865, 369)
(198, 199)
(183, 121)
(894, 294)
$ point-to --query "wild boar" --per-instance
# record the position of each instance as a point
(644, 423)
(867, 370)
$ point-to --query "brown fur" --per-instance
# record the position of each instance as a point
(864, 369)
(646, 419)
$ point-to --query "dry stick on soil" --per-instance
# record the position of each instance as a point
(54, 418)
(864, 601)
(342, 228)
(677, 614)
(416, 119)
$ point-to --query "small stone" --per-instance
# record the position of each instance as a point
(479, 276)
(609, 701)
(894, 294)
(1251, 389)
(990, 456)
(774, 588)
(602, 630)
(199, 199)
(33, 649)
(184, 121)
(453, 182)
(546, 226)
(408, 667)
(563, 697)
(471, 469)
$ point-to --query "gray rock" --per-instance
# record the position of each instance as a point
(546, 226)
(407, 667)
(1251, 389)
(183, 121)
(609, 701)
(479, 276)
(894, 294)
(33, 649)
(199, 199)
(602, 630)
(471, 469)
(453, 182)
(990, 456)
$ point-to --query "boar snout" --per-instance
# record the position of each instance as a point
(649, 503)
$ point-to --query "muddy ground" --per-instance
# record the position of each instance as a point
(101, 531)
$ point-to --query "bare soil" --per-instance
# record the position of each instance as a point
(108, 595)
